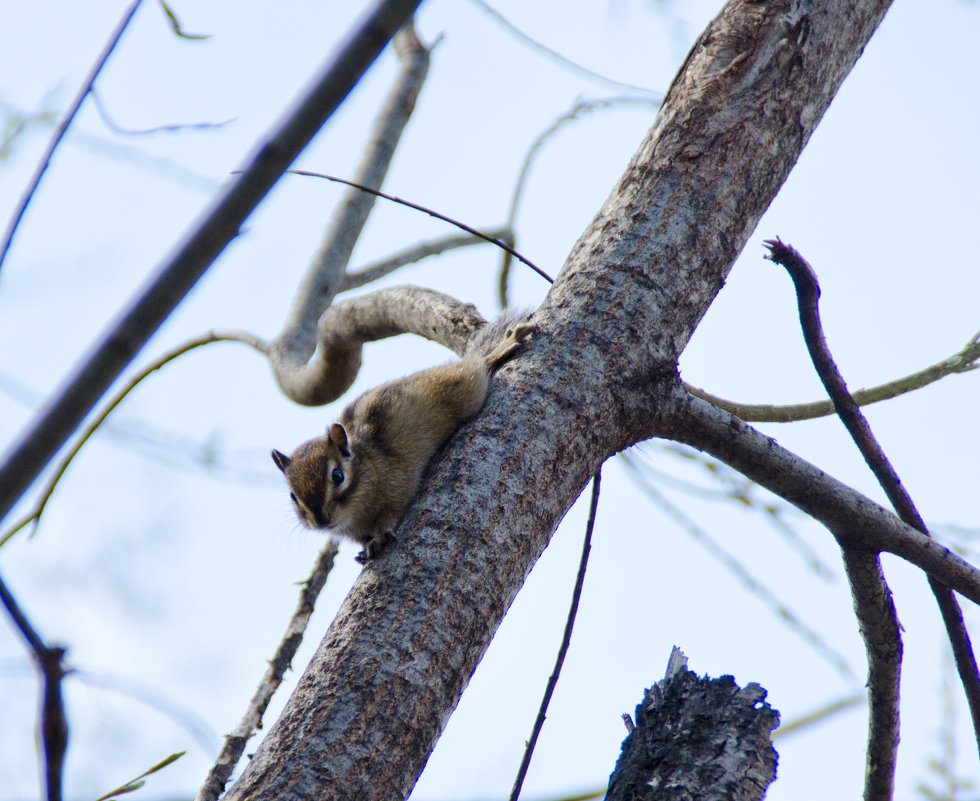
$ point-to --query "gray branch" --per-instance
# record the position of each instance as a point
(423, 250)
(345, 326)
(853, 519)
(290, 352)
(599, 375)
(879, 626)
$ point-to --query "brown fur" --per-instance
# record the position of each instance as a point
(382, 444)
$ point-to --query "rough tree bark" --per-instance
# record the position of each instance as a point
(599, 375)
(697, 739)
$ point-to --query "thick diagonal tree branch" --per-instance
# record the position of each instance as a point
(600, 374)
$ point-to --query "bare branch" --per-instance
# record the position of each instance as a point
(202, 247)
(577, 110)
(796, 725)
(53, 723)
(252, 720)
(737, 489)
(742, 575)
(554, 55)
(961, 362)
(113, 126)
(879, 627)
(432, 213)
(292, 349)
(853, 519)
(424, 250)
(344, 327)
(565, 641)
(63, 128)
(808, 297)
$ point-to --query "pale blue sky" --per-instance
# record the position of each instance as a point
(150, 567)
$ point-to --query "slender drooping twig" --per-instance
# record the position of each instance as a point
(252, 720)
(63, 127)
(741, 574)
(116, 128)
(379, 269)
(34, 515)
(220, 225)
(808, 295)
(462, 226)
(575, 112)
(553, 54)
(960, 362)
(53, 723)
(566, 639)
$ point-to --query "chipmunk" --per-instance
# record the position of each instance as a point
(359, 478)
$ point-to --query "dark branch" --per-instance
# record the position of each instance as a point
(63, 128)
(697, 739)
(566, 640)
(808, 296)
(202, 247)
(432, 213)
(53, 723)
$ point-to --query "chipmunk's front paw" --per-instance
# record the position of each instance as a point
(375, 547)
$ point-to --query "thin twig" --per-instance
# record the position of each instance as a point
(798, 724)
(63, 127)
(423, 250)
(961, 362)
(153, 697)
(580, 107)
(564, 60)
(209, 238)
(252, 720)
(808, 295)
(113, 126)
(34, 515)
(740, 490)
(432, 213)
(792, 621)
(566, 639)
(53, 723)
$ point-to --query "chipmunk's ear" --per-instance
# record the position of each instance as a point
(281, 460)
(338, 436)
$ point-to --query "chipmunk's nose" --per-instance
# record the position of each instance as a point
(320, 518)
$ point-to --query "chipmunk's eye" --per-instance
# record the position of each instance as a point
(337, 476)
(292, 497)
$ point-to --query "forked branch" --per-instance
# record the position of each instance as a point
(808, 296)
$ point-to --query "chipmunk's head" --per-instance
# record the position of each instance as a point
(321, 478)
